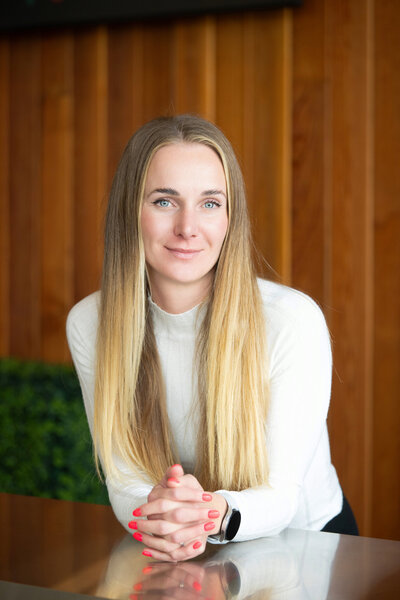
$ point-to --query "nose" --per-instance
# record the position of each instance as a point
(186, 223)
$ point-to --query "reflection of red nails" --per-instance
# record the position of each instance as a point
(137, 512)
(213, 514)
(137, 587)
(207, 527)
(197, 586)
(133, 524)
(147, 553)
(173, 480)
(196, 545)
(138, 536)
(206, 498)
(147, 570)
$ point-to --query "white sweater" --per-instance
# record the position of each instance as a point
(304, 490)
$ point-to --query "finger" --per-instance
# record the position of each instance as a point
(185, 535)
(179, 492)
(159, 527)
(180, 554)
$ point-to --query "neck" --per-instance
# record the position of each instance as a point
(176, 298)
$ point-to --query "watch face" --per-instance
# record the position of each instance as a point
(233, 525)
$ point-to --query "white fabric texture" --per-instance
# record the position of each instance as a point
(303, 490)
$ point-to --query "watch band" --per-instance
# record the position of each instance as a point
(229, 526)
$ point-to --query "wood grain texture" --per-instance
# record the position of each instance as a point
(4, 197)
(57, 192)
(347, 56)
(25, 196)
(90, 166)
(386, 414)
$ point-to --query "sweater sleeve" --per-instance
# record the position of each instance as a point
(300, 365)
(132, 489)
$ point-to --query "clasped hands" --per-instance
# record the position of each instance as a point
(180, 516)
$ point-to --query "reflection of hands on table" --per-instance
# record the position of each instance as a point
(185, 581)
(180, 516)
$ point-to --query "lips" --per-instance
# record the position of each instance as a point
(184, 253)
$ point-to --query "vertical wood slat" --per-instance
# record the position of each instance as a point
(25, 196)
(351, 269)
(193, 60)
(4, 197)
(90, 157)
(309, 194)
(57, 192)
(386, 417)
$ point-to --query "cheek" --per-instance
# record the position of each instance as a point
(152, 228)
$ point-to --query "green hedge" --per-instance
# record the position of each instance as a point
(45, 443)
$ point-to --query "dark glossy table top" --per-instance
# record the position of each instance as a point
(61, 548)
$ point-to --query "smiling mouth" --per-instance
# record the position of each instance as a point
(183, 253)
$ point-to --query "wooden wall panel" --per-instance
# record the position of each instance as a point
(193, 66)
(25, 195)
(348, 41)
(4, 197)
(386, 415)
(310, 193)
(57, 192)
(90, 158)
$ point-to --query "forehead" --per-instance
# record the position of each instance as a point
(185, 160)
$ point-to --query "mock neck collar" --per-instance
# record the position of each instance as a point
(179, 324)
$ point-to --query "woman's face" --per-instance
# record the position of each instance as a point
(184, 216)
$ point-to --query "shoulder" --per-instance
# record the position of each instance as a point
(295, 328)
(285, 305)
(82, 321)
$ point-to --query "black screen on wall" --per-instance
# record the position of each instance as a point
(17, 14)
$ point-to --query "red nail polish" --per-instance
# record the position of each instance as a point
(173, 480)
(176, 465)
(196, 545)
(138, 536)
(213, 514)
(197, 586)
(137, 587)
(133, 524)
(137, 512)
(133, 597)
(207, 527)
(147, 570)
(147, 553)
(206, 498)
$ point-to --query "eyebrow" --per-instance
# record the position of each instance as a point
(172, 192)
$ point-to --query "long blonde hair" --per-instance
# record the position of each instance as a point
(131, 420)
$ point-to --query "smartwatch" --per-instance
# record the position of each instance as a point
(229, 526)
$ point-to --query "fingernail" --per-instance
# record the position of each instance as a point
(173, 480)
(147, 553)
(206, 498)
(137, 512)
(177, 465)
(137, 587)
(138, 536)
(212, 514)
(197, 586)
(147, 570)
(196, 545)
(133, 596)
(207, 527)
(133, 524)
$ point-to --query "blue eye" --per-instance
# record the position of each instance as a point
(211, 204)
(163, 202)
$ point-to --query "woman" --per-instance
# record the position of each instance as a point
(186, 355)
